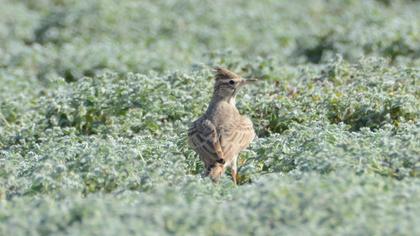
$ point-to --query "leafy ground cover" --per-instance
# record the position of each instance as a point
(96, 97)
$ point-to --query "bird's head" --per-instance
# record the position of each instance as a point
(227, 83)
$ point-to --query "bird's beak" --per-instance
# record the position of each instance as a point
(243, 82)
(248, 81)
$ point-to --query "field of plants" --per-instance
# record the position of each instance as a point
(96, 98)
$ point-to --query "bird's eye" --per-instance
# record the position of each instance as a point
(232, 82)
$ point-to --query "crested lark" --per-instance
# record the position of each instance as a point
(222, 132)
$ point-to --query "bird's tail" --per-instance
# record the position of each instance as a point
(216, 172)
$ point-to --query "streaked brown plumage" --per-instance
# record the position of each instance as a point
(222, 132)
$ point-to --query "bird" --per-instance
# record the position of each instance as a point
(221, 133)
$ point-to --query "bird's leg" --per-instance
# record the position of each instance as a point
(206, 170)
(234, 171)
(234, 176)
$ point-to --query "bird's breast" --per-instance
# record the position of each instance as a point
(224, 114)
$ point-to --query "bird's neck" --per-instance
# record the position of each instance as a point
(219, 99)
(219, 103)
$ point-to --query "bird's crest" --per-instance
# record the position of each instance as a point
(222, 73)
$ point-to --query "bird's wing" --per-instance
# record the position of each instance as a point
(236, 136)
(204, 139)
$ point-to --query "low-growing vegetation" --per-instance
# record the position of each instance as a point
(96, 98)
